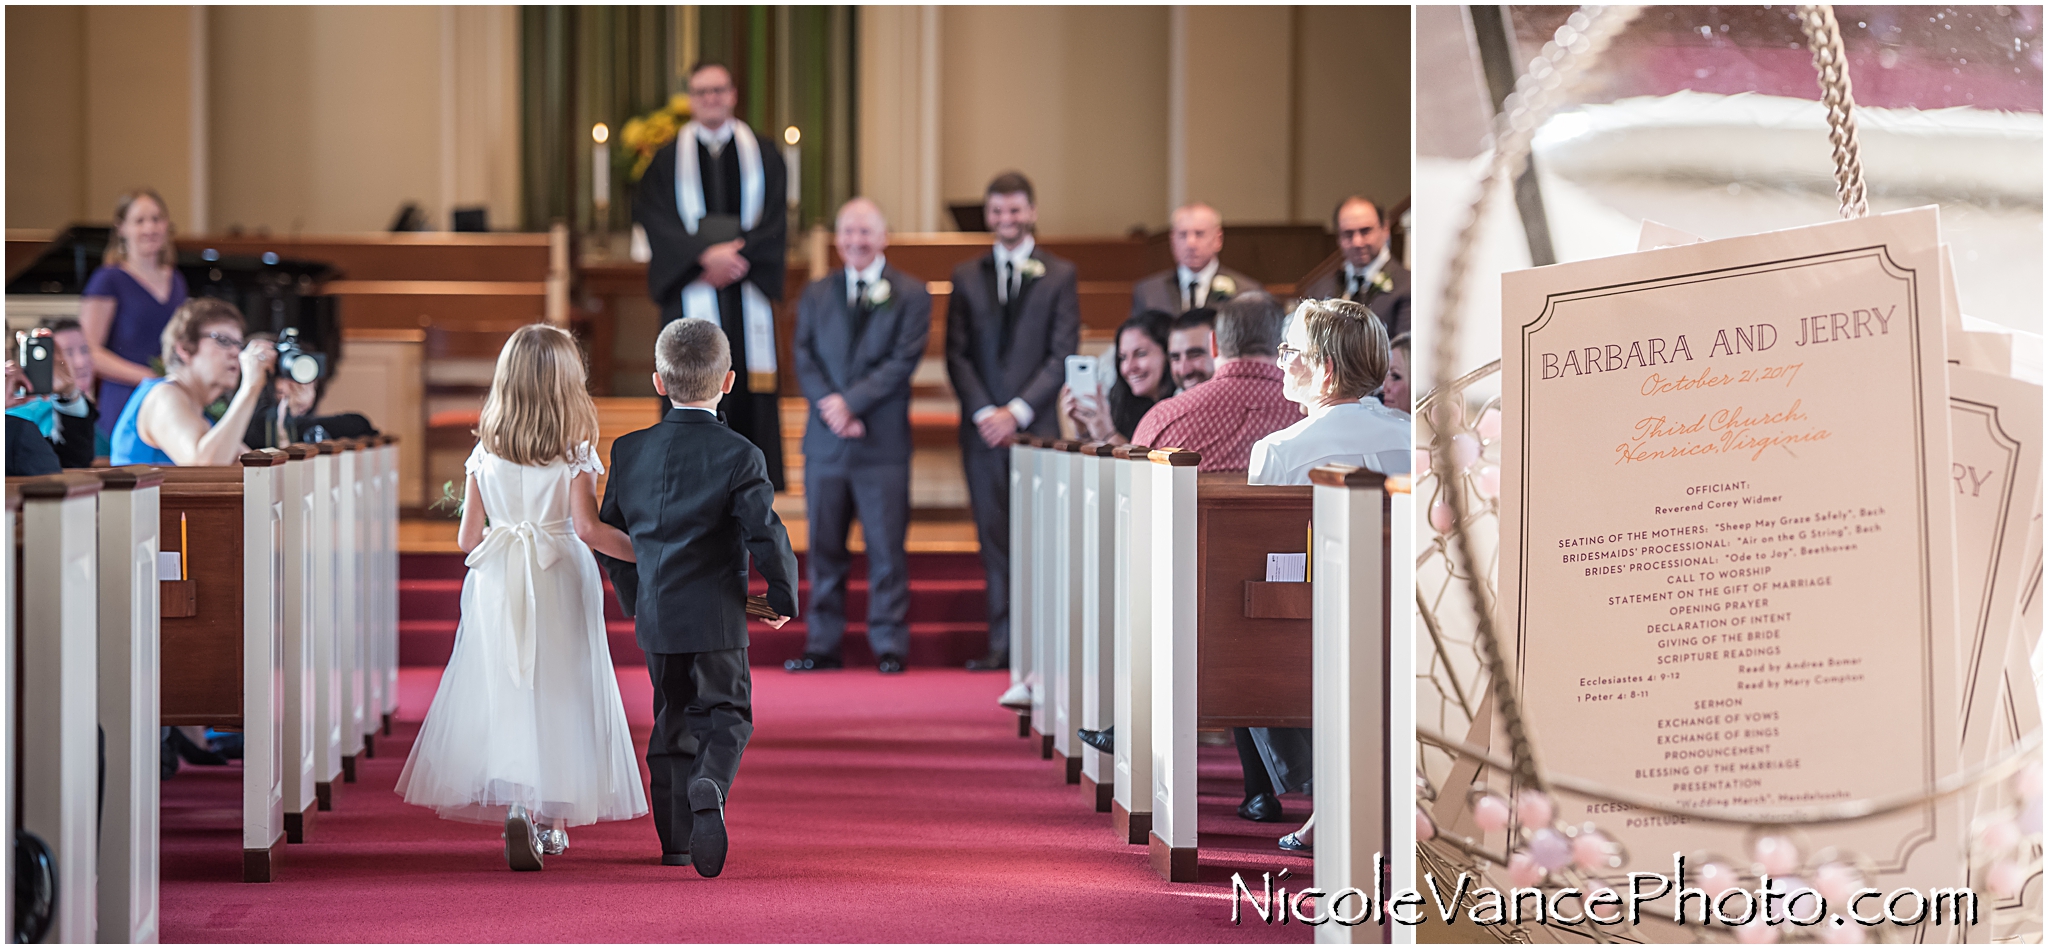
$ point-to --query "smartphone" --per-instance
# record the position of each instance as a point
(39, 360)
(1081, 378)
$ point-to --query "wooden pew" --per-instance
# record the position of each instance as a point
(1061, 590)
(58, 750)
(1043, 593)
(1023, 488)
(350, 609)
(326, 655)
(10, 560)
(1228, 648)
(223, 664)
(384, 526)
(1131, 798)
(1364, 692)
(1096, 551)
(297, 487)
(129, 627)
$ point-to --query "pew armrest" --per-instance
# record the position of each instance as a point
(1263, 600)
(180, 598)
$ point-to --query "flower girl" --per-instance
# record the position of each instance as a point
(527, 726)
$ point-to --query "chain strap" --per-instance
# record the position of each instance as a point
(1824, 37)
(1547, 85)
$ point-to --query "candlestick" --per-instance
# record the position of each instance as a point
(601, 166)
(792, 160)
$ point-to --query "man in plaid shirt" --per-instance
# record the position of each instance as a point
(1221, 418)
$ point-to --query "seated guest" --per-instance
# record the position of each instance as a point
(130, 299)
(1370, 275)
(165, 421)
(63, 417)
(1200, 279)
(1142, 380)
(1334, 356)
(1394, 389)
(28, 454)
(1191, 348)
(76, 351)
(1241, 404)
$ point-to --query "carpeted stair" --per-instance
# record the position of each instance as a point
(948, 613)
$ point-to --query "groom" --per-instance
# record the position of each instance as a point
(695, 498)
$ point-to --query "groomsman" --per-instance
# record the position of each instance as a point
(1370, 275)
(859, 335)
(712, 205)
(1200, 279)
(1013, 318)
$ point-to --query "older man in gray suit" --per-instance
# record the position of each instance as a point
(1013, 319)
(1198, 278)
(859, 335)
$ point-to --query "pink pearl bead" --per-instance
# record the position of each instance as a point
(1589, 851)
(1776, 855)
(1523, 871)
(1489, 425)
(1533, 809)
(2006, 878)
(1489, 481)
(1464, 451)
(1440, 517)
(1716, 879)
(1425, 829)
(1549, 849)
(1490, 813)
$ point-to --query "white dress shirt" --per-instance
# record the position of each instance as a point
(1201, 279)
(1011, 261)
(873, 275)
(694, 408)
(1363, 433)
(1363, 277)
(714, 139)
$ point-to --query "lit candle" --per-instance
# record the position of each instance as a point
(792, 160)
(601, 166)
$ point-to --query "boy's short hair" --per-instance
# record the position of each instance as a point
(692, 358)
(1011, 182)
(1249, 325)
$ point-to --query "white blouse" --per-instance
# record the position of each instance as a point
(1363, 433)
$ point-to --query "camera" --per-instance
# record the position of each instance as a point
(38, 360)
(295, 362)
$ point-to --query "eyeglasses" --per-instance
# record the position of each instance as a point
(1289, 354)
(233, 343)
(710, 90)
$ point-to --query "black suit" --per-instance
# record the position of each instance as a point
(864, 354)
(750, 411)
(28, 453)
(1390, 305)
(996, 352)
(694, 497)
(1162, 291)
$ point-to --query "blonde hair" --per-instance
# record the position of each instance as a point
(539, 409)
(189, 324)
(692, 357)
(1350, 340)
(117, 249)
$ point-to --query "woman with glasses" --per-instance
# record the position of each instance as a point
(1333, 357)
(205, 358)
(129, 300)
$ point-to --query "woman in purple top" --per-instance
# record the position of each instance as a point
(130, 299)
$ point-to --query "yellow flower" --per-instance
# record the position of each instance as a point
(679, 104)
(635, 130)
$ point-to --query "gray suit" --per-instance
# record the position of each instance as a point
(1161, 291)
(866, 477)
(988, 367)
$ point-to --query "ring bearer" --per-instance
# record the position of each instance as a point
(859, 335)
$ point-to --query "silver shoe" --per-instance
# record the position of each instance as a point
(554, 840)
(1294, 843)
(522, 846)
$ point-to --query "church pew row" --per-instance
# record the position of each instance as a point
(1143, 599)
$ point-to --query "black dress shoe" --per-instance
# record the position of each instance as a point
(675, 860)
(1263, 808)
(707, 827)
(812, 662)
(997, 660)
(1103, 741)
(890, 663)
(194, 753)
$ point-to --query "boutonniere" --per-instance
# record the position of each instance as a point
(1032, 268)
(1222, 286)
(1382, 282)
(879, 293)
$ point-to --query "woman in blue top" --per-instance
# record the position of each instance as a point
(130, 299)
(164, 422)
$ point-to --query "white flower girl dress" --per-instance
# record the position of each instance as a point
(528, 713)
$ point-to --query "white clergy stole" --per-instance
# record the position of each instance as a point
(700, 299)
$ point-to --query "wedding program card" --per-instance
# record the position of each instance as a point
(1995, 476)
(1727, 548)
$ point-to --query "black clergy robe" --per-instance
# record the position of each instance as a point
(754, 414)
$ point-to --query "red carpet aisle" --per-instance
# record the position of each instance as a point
(868, 809)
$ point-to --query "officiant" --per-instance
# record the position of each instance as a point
(712, 205)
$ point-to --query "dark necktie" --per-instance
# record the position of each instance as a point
(1187, 298)
(1354, 286)
(860, 313)
(1012, 289)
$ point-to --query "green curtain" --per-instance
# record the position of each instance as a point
(584, 65)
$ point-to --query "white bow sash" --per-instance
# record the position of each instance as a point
(506, 599)
(700, 299)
